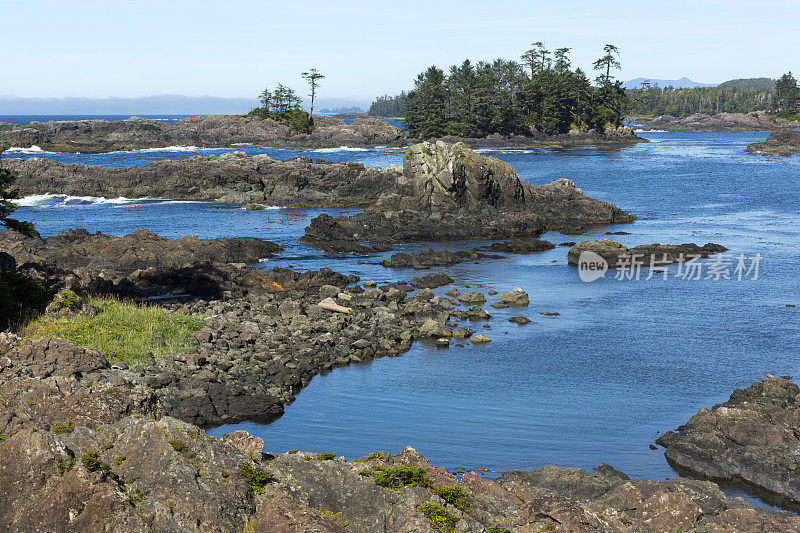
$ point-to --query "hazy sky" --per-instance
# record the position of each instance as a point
(234, 47)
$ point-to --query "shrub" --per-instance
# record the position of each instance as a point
(326, 456)
(177, 445)
(91, 461)
(440, 518)
(21, 299)
(63, 427)
(256, 477)
(337, 518)
(455, 496)
(395, 477)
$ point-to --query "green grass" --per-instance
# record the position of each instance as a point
(123, 331)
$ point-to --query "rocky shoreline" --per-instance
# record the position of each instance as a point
(95, 445)
(778, 143)
(699, 122)
(99, 136)
(229, 178)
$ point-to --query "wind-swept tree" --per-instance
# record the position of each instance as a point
(266, 99)
(313, 78)
(606, 63)
(7, 207)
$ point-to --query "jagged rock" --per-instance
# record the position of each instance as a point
(92, 136)
(516, 297)
(757, 121)
(231, 178)
(521, 320)
(752, 438)
(472, 298)
(480, 338)
(778, 143)
(449, 192)
(77, 248)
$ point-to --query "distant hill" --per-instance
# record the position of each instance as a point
(749, 84)
(683, 83)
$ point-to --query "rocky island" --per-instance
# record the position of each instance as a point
(778, 143)
(98, 136)
(757, 121)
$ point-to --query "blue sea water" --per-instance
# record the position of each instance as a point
(623, 361)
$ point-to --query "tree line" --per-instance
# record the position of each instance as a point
(780, 96)
(542, 92)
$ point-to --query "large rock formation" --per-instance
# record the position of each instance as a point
(450, 192)
(752, 438)
(778, 143)
(91, 136)
(232, 178)
(759, 121)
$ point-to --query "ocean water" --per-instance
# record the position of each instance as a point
(623, 362)
(24, 120)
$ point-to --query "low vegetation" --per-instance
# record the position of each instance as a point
(440, 518)
(123, 331)
(455, 496)
(394, 477)
(256, 477)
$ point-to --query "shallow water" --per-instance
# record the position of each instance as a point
(624, 360)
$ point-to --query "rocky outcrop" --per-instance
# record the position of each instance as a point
(751, 438)
(432, 258)
(759, 121)
(449, 192)
(778, 143)
(232, 178)
(93, 136)
(616, 255)
(611, 137)
(142, 249)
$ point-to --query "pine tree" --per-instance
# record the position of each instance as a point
(7, 207)
(787, 95)
(313, 78)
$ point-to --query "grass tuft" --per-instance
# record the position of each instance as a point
(455, 496)
(122, 330)
(256, 477)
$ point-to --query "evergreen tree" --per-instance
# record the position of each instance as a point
(426, 105)
(7, 207)
(787, 95)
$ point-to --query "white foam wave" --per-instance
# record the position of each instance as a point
(32, 150)
(650, 131)
(48, 199)
(164, 149)
(340, 149)
(267, 207)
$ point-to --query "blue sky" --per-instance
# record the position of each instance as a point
(234, 47)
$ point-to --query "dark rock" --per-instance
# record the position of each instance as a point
(750, 438)
(522, 246)
(521, 320)
(431, 281)
(450, 192)
(661, 254)
(778, 143)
